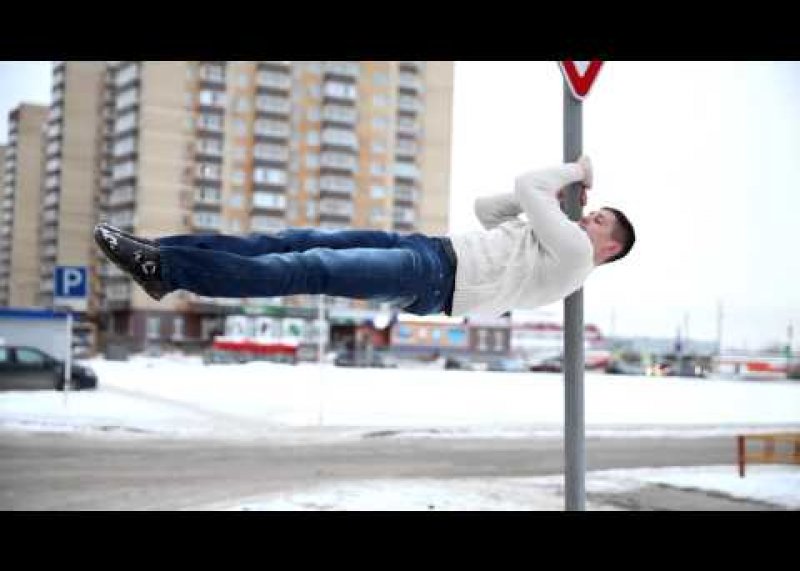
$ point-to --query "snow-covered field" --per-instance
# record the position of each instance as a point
(179, 397)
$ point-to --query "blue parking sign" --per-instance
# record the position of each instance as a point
(70, 287)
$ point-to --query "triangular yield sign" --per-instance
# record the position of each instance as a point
(580, 75)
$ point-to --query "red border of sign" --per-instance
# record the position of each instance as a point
(580, 84)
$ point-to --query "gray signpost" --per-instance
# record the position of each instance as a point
(578, 78)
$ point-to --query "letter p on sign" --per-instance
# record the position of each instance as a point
(70, 287)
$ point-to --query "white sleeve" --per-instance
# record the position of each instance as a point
(494, 210)
(536, 192)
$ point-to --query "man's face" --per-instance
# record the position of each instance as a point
(599, 225)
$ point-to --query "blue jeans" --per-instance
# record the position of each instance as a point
(410, 271)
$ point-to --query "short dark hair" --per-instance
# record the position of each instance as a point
(622, 233)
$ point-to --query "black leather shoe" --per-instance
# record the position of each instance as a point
(121, 232)
(135, 256)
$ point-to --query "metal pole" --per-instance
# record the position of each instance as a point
(68, 358)
(574, 445)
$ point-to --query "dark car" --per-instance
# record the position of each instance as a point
(549, 365)
(377, 360)
(28, 368)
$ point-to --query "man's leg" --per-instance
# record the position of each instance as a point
(385, 274)
(290, 240)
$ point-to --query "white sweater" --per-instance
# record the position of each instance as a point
(522, 264)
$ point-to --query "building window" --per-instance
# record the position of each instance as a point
(380, 78)
(380, 123)
(238, 176)
(312, 138)
(380, 100)
(312, 160)
(153, 327)
(269, 176)
(377, 192)
(269, 200)
(212, 98)
(177, 327)
(378, 169)
(207, 195)
(311, 185)
(378, 147)
(207, 220)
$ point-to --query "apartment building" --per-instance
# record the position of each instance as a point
(73, 156)
(241, 146)
(19, 230)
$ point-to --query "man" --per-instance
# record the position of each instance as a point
(513, 263)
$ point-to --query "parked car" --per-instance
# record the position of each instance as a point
(377, 360)
(549, 365)
(508, 366)
(29, 368)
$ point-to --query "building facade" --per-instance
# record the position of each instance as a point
(258, 146)
(19, 223)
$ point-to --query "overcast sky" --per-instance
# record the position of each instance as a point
(704, 157)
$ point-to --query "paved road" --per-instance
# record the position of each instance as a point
(47, 471)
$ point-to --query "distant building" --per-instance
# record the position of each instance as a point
(215, 146)
(21, 205)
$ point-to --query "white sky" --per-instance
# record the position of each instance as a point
(702, 156)
(175, 397)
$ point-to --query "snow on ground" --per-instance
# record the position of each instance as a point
(177, 396)
(778, 485)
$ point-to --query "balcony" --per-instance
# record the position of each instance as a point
(404, 148)
(405, 195)
(339, 137)
(409, 82)
(408, 104)
(260, 223)
(337, 90)
(411, 66)
(206, 221)
(273, 81)
(345, 115)
(118, 292)
(49, 215)
(271, 129)
(338, 161)
(269, 201)
(283, 66)
(126, 99)
(54, 114)
(272, 153)
(338, 208)
(407, 128)
(49, 235)
(344, 69)
(126, 74)
(273, 105)
(50, 199)
(49, 252)
(404, 216)
(212, 75)
(337, 185)
(122, 195)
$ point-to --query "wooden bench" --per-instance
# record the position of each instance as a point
(770, 451)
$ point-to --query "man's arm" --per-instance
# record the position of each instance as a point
(494, 210)
(538, 192)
